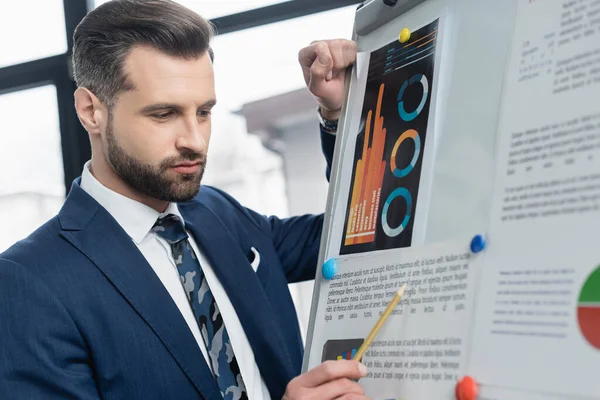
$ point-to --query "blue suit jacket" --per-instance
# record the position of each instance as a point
(83, 315)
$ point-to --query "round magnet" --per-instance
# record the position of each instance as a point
(477, 244)
(466, 389)
(329, 269)
(404, 35)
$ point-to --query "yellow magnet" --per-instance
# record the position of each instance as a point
(404, 35)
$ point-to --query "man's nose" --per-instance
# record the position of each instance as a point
(194, 136)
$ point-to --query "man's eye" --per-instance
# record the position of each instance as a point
(163, 115)
(204, 113)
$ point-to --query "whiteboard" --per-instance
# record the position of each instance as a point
(510, 150)
(470, 77)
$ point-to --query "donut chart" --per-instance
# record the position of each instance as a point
(588, 309)
(409, 134)
(399, 192)
(418, 78)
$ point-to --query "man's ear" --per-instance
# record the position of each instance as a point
(91, 111)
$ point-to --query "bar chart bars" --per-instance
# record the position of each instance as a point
(366, 193)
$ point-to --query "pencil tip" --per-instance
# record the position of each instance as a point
(402, 288)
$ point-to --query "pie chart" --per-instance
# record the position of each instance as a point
(588, 309)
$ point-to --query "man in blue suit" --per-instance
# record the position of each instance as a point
(146, 285)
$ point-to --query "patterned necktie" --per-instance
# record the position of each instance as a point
(204, 306)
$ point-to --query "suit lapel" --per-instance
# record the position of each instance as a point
(246, 294)
(92, 230)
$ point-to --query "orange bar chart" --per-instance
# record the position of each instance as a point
(370, 168)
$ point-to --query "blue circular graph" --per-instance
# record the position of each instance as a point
(400, 192)
(406, 116)
(409, 134)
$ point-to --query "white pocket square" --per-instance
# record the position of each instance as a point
(256, 259)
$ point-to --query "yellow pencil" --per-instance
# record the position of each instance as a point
(388, 311)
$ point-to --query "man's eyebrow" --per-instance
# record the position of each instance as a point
(171, 106)
(209, 103)
(159, 107)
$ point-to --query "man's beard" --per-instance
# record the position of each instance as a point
(154, 180)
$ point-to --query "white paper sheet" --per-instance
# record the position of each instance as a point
(535, 323)
(420, 352)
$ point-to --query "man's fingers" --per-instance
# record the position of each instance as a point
(337, 53)
(328, 381)
(350, 50)
(323, 62)
(339, 387)
(308, 55)
(324, 58)
(332, 370)
(343, 52)
(316, 62)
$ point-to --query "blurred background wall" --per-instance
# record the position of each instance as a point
(265, 148)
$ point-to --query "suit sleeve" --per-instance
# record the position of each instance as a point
(328, 146)
(42, 354)
(298, 239)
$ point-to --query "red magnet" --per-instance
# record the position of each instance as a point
(466, 389)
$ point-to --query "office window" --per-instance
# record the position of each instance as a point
(31, 30)
(261, 62)
(32, 179)
(255, 64)
(218, 8)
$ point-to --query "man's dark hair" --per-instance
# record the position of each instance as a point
(105, 37)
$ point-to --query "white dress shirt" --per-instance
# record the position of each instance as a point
(137, 220)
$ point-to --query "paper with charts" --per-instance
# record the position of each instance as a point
(523, 316)
(420, 352)
(383, 194)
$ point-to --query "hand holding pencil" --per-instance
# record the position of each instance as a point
(338, 379)
(388, 311)
(328, 381)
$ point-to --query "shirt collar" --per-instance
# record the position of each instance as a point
(135, 218)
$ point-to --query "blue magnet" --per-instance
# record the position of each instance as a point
(477, 244)
(329, 269)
